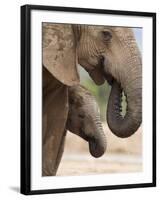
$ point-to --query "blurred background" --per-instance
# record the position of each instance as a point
(122, 155)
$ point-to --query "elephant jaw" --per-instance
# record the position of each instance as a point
(94, 72)
(97, 76)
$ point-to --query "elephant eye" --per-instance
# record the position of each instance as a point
(81, 116)
(107, 35)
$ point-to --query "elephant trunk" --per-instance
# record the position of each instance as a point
(97, 144)
(131, 85)
(97, 139)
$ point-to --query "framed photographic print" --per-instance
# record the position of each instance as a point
(88, 99)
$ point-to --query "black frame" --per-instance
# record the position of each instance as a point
(26, 95)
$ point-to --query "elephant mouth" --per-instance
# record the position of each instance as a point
(109, 78)
(98, 74)
(84, 136)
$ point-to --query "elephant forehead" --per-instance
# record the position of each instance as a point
(93, 30)
(99, 27)
(119, 31)
(123, 32)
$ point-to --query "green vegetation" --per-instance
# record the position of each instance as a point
(101, 93)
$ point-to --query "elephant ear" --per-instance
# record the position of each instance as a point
(59, 52)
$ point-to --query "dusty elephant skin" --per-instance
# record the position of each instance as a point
(84, 119)
(106, 53)
(55, 101)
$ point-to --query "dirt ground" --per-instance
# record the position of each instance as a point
(122, 155)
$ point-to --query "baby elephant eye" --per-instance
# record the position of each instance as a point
(107, 35)
(81, 116)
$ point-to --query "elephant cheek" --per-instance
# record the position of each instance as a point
(96, 150)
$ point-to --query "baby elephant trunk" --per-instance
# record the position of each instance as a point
(94, 131)
(97, 144)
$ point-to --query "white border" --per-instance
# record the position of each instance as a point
(42, 183)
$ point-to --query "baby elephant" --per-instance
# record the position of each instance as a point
(84, 119)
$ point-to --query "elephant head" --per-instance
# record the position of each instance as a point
(111, 53)
(106, 53)
(84, 119)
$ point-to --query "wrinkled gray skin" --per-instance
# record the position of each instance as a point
(84, 119)
(106, 53)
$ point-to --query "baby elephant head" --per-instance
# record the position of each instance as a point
(84, 119)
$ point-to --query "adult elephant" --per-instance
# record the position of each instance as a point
(106, 53)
